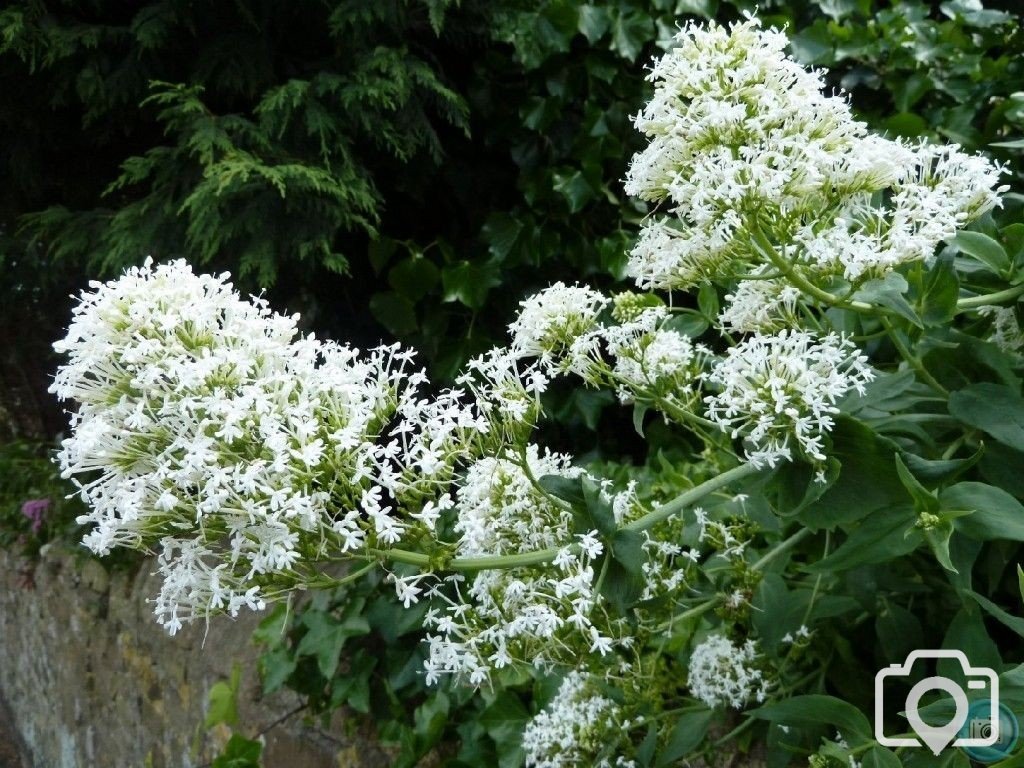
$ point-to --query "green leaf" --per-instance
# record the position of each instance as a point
(639, 411)
(880, 757)
(576, 189)
(630, 32)
(995, 513)
(326, 636)
(469, 283)
(938, 537)
(924, 500)
(882, 537)
(593, 22)
(622, 587)
(627, 549)
(937, 302)
(687, 734)
(816, 709)
(501, 233)
(568, 489)
(276, 667)
(413, 278)
(223, 700)
(984, 249)
(394, 312)
(599, 507)
(939, 471)
(707, 300)
(812, 45)
(889, 292)
(239, 752)
(1007, 620)
(1020, 582)
(992, 408)
(867, 481)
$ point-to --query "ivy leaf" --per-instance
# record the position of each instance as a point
(326, 637)
(469, 283)
(394, 312)
(239, 752)
(593, 22)
(501, 233)
(630, 32)
(413, 278)
(223, 700)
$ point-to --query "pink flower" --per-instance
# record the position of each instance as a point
(34, 509)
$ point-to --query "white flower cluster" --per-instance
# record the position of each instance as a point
(573, 728)
(781, 390)
(552, 323)
(1006, 331)
(207, 424)
(516, 615)
(743, 139)
(723, 673)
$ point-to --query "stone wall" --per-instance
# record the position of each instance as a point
(91, 680)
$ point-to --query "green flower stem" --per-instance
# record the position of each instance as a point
(540, 556)
(769, 251)
(781, 547)
(990, 298)
(691, 496)
(912, 359)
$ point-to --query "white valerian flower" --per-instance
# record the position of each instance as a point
(552, 321)
(779, 392)
(653, 363)
(760, 305)
(751, 159)
(723, 673)
(573, 728)
(208, 426)
(530, 616)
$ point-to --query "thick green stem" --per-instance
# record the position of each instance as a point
(782, 547)
(692, 496)
(990, 298)
(540, 556)
(769, 251)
